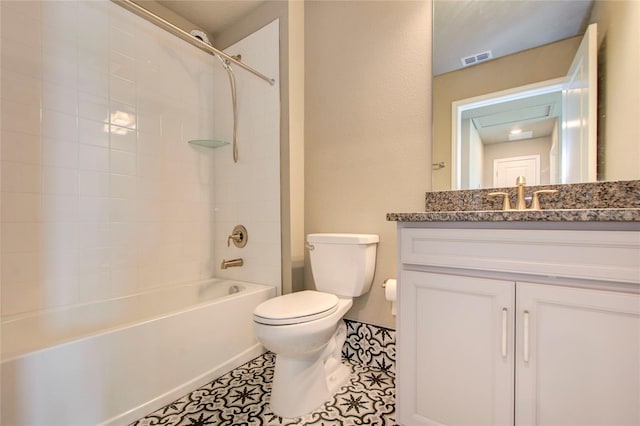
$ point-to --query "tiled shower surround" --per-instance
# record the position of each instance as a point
(241, 397)
(101, 194)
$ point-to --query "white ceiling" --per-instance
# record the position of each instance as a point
(211, 15)
(466, 27)
(536, 114)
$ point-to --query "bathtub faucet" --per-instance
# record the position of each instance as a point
(231, 263)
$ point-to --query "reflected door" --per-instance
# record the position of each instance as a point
(579, 105)
(506, 170)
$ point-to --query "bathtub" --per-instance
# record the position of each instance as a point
(112, 362)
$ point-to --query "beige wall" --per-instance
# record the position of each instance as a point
(296, 143)
(619, 26)
(534, 65)
(367, 126)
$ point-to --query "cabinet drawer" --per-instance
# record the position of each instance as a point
(592, 255)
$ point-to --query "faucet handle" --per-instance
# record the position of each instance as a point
(535, 202)
(236, 237)
(506, 205)
(239, 236)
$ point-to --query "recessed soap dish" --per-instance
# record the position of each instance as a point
(209, 143)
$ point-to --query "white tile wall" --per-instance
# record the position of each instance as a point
(248, 192)
(101, 194)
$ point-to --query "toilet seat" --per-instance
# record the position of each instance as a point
(296, 308)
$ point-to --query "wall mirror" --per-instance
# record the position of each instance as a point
(511, 92)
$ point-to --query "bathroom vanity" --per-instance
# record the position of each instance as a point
(519, 318)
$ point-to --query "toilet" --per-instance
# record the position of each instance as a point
(305, 329)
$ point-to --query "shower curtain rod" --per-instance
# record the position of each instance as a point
(163, 23)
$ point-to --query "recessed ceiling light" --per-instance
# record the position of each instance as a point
(515, 131)
(520, 135)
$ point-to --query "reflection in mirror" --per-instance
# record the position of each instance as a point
(493, 138)
(554, 31)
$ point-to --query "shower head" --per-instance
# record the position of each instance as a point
(201, 36)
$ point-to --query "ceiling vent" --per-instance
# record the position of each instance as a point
(476, 59)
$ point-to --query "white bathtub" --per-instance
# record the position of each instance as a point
(113, 362)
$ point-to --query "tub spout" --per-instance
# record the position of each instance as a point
(231, 263)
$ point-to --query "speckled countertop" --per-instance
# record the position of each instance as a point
(586, 202)
(565, 215)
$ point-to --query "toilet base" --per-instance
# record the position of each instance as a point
(302, 384)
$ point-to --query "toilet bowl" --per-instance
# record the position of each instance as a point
(305, 329)
(308, 369)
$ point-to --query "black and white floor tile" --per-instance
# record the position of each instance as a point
(241, 397)
(370, 345)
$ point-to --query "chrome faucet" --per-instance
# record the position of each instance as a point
(231, 263)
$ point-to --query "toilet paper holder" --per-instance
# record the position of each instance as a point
(390, 293)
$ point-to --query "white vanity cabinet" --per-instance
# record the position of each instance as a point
(578, 361)
(515, 326)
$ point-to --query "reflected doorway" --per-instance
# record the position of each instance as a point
(507, 170)
(485, 129)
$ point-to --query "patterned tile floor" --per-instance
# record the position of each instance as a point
(241, 397)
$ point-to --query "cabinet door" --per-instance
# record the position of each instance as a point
(582, 366)
(455, 350)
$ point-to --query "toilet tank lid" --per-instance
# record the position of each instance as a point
(343, 238)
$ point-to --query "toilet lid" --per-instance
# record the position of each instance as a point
(296, 308)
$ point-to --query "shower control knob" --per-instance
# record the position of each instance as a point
(239, 236)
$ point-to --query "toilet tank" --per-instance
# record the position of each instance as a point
(343, 264)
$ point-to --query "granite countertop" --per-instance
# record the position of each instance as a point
(586, 202)
(556, 215)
